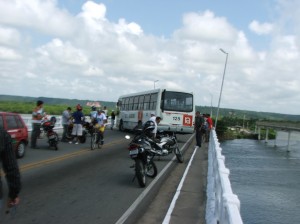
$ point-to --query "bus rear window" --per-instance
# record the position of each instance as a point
(177, 101)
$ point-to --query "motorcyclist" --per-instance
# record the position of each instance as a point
(93, 113)
(101, 121)
(150, 129)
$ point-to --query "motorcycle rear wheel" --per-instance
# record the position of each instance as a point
(54, 142)
(151, 170)
(179, 154)
(140, 172)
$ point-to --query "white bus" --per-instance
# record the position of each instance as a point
(176, 108)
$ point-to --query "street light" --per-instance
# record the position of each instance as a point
(221, 86)
(155, 82)
(211, 113)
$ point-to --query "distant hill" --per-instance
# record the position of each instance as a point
(203, 109)
(248, 114)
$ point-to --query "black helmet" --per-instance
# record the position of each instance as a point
(93, 108)
(53, 120)
(149, 126)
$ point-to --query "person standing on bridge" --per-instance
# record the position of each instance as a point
(66, 115)
(77, 126)
(37, 116)
(112, 119)
(210, 126)
(11, 170)
(199, 121)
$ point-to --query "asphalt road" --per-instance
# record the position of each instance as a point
(78, 185)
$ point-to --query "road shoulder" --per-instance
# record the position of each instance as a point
(190, 205)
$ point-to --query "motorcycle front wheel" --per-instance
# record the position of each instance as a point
(179, 154)
(151, 170)
(140, 172)
(94, 141)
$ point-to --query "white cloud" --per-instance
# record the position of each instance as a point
(9, 54)
(261, 28)
(81, 54)
(64, 53)
(37, 15)
(93, 71)
(9, 36)
(205, 27)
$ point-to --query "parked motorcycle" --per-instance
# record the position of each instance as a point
(82, 138)
(167, 144)
(141, 152)
(52, 136)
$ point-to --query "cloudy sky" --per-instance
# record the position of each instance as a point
(98, 50)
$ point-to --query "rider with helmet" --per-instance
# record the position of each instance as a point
(93, 113)
(101, 120)
(150, 129)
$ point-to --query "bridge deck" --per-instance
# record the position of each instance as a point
(279, 125)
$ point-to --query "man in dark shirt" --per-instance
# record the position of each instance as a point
(77, 131)
(10, 168)
(198, 125)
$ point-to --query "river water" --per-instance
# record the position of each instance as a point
(265, 178)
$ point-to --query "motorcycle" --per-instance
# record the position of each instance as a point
(82, 139)
(140, 150)
(167, 144)
(52, 136)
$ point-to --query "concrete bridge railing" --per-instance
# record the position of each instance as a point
(222, 205)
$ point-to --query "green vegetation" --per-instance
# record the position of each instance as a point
(25, 105)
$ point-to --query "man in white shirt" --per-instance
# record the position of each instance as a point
(153, 117)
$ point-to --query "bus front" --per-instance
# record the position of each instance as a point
(177, 112)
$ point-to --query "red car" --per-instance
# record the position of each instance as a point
(15, 126)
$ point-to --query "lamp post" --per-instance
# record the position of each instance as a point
(155, 82)
(221, 87)
(211, 113)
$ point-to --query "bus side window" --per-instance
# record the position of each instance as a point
(136, 103)
(126, 104)
(141, 102)
(153, 101)
(130, 104)
(146, 102)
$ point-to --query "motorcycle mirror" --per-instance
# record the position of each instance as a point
(127, 136)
